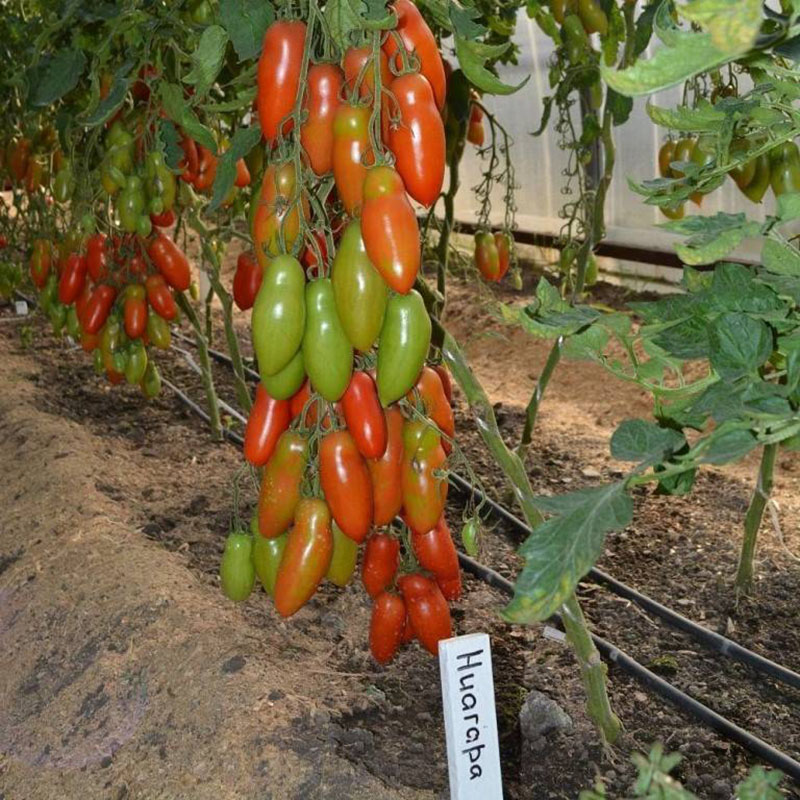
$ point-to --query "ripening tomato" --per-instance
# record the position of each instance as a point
(322, 99)
(343, 559)
(418, 38)
(436, 553)
(279, 70)
(97, 308)
(358, 64)
(206, 170)
(757, 188)
(666, 155)
(267, 555)
(40, 262)
(190, 163)
(315, 251)
(246, 281)
(487, 259)
(165, 219)
(157, 331)
(135, 311)
(268, 419)
(280, 485)
(417, 140)
(18, 157)
(351, 152)
(236, 571)
(504, 244)
(475, 130)
(306, 558)
(447, 382)
(72, 280)
(346, 484)
(386, 472)
(160, 297)
(390, 229)
(424, 493)
(381, 560)
(242, 174)
(364, 415)
(430, 390)
(386, 626)
(284, 383)
(96, 258)
(427, 610)
(170, 261)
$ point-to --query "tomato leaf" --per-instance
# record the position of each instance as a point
(738, 345)
(620, 106)
(472, 57)
(645, 442)
(733, 24)
(115, 97)
(342, 21)
(463, 19)
(789, 206)
(704, 117)
(244, 140)
(207, 58)
(780, 258)
(54, 76)
(246, 21)
(726, 446)
(170, 143)
(179, 111)
(560, 551)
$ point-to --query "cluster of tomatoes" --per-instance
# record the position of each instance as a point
(349, 425)
(778, 169)
(589, 13)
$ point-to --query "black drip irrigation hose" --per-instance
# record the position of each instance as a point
(683, 701)
(713, 641)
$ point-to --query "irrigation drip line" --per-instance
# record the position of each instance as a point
(683, 701)
(710, 639)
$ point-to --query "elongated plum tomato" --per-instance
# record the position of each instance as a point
(321, 101)
(279, 70)
(385, 472)
(504, 244)
(386, 626)
(424, 492)
(431, 393)
(357, 62)
(268, 419)
(160, 297)
(97, 308)
(435, 551)
(364, 415)
(427, 610)
(346, 484)
(135, 311)
(390, 229)
(170, 261)
(343, 559)
(280, 485)
(381, 560)
(236, 571)
(487, 259)
(306, 558)
(351, 148)
(267, 554)
(246, 281)
(96, 259)
(72, 279)
(417, 141)
(418, 38)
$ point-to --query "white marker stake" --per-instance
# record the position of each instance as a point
(470, 721)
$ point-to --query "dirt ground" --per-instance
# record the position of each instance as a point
(125, 674)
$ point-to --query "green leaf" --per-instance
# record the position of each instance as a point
(563, 549)
(207, 58)
(244, 140)
(712, 237)
(463, 20)
(789, 206)
(472, 59)
(738, 345)
(686, 339)
(373, 14)
(620, 106)
(54, 76)
(246, 21)
(114, 99)
(170, 143)
(644, 442)
(780, 258)
(342, 21)
(732, 24)
(734, 288)
(703, 118)
(587, 345)
(727, 446)
(179, 111)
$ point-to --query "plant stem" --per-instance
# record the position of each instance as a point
(532, 409)
(443, 247)
(205, 367)
(752, 520)
(593, 670)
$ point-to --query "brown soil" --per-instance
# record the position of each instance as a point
(128, 675)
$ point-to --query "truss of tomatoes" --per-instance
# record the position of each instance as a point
(115, 296)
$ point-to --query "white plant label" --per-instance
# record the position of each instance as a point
(20, 308)
(470, 720)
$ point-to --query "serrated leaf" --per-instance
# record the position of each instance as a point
(727, 446)
(179, 111)
(373, 14)
(115, 97)
(246, 21)
(563, 549)
(703, 118)
(734, 288)
(54, 76)
(687, 339)
(789, 206)
(473, 64)
(620, 106)
(738, 345)
(244, 140)
(780, 258)
(463, 20)
(715, 246)
(732, 24)
(644, 442)
(586, 345)
(207, 58)
(170, 143)
(342, 21)
(789, 49)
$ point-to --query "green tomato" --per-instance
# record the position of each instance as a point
(285, 383)
(267, 554)
(151, 383)
(236, 570)
(785, 169)
(73, 324)
(279, 315)
(361, 294)
(97, 361)
(403, 345)
(130, 206)
(575, 39)
(343, 560)
(327, 352)
(137, 363)
(63, 184)
(58, 316)
(757, 188)
(49, 294)
(160, 181)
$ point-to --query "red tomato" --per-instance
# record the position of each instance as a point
(190, 163)
(207, 169)
(389, 229)
(279, 75)
(135, 315)
(351, 148)
(475, 130)
(97, 308)
(242, 174)
(418, 38)
(417, 140)
(280, 485)
(309, 257)
(432, 395)
(306, 558)
(487, 259)
(381, 560)
(160, 297)
(504, 244)
(170, 261)
(346, 484)
(89, 341)
(357, 62)
(435, 551)
(163, 220)
(41, 259)
(82, 299)
(427, 610)
(447, 381)
(321, 101)
(386, 626)
(424, 493)
(72, 280)
(364, 415)
(268, 419)
(385, 472)
(246, 280)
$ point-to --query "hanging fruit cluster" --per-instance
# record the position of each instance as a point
(350, 426)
